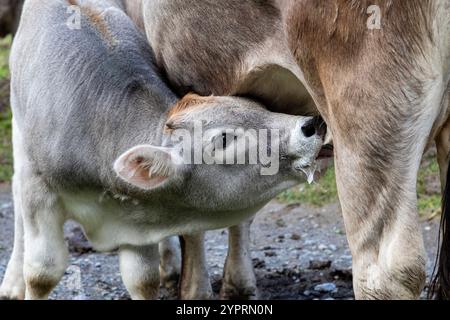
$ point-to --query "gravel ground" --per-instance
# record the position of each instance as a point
(298, 252)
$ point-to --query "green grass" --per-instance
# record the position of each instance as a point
(4, 55)
(317, 194)
(324, 191)
(5, 147)
(5, 113)
(429, 203)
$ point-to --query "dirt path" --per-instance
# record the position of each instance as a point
(298, 253)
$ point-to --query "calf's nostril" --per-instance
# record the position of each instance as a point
(309, 129)
(315, 126)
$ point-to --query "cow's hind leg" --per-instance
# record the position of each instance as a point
(139, 267)
(13, 285)
(441, 286)
(170, 262)
(239, 281)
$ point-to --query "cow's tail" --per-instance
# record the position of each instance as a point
(440, 284)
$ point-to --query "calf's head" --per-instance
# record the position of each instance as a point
(222, 153)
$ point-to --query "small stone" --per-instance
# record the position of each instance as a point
(270, 254)
(307, 293)
(346, 257)
(6, 206)
(427, 228)
(280, 223)
(319, 264)
(258, 263)
(345, 275)
(295, 237)
(326, 288)
(332, 247)
(322, 247)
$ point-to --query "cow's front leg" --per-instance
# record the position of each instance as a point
(139, 267)
(239, 281)
(195, 282)
(379, 202)
(46, 253)
(170, 262)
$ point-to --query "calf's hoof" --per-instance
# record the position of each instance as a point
(189, 296)
(12, 293)
(170, 281)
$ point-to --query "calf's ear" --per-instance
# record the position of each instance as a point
(146, 166)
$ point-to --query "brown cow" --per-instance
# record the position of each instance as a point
(254, 61)
(384, 93)
(383, 90)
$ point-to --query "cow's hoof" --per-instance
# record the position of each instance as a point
(231, 292)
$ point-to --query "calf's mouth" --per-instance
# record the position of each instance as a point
(327, 151)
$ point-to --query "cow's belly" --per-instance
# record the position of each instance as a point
(111, 222)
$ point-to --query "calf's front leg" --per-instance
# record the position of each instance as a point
(239, 281)
(139, 267)
(195, 282)
(170, 262)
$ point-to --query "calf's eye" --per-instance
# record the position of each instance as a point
(224, 140)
